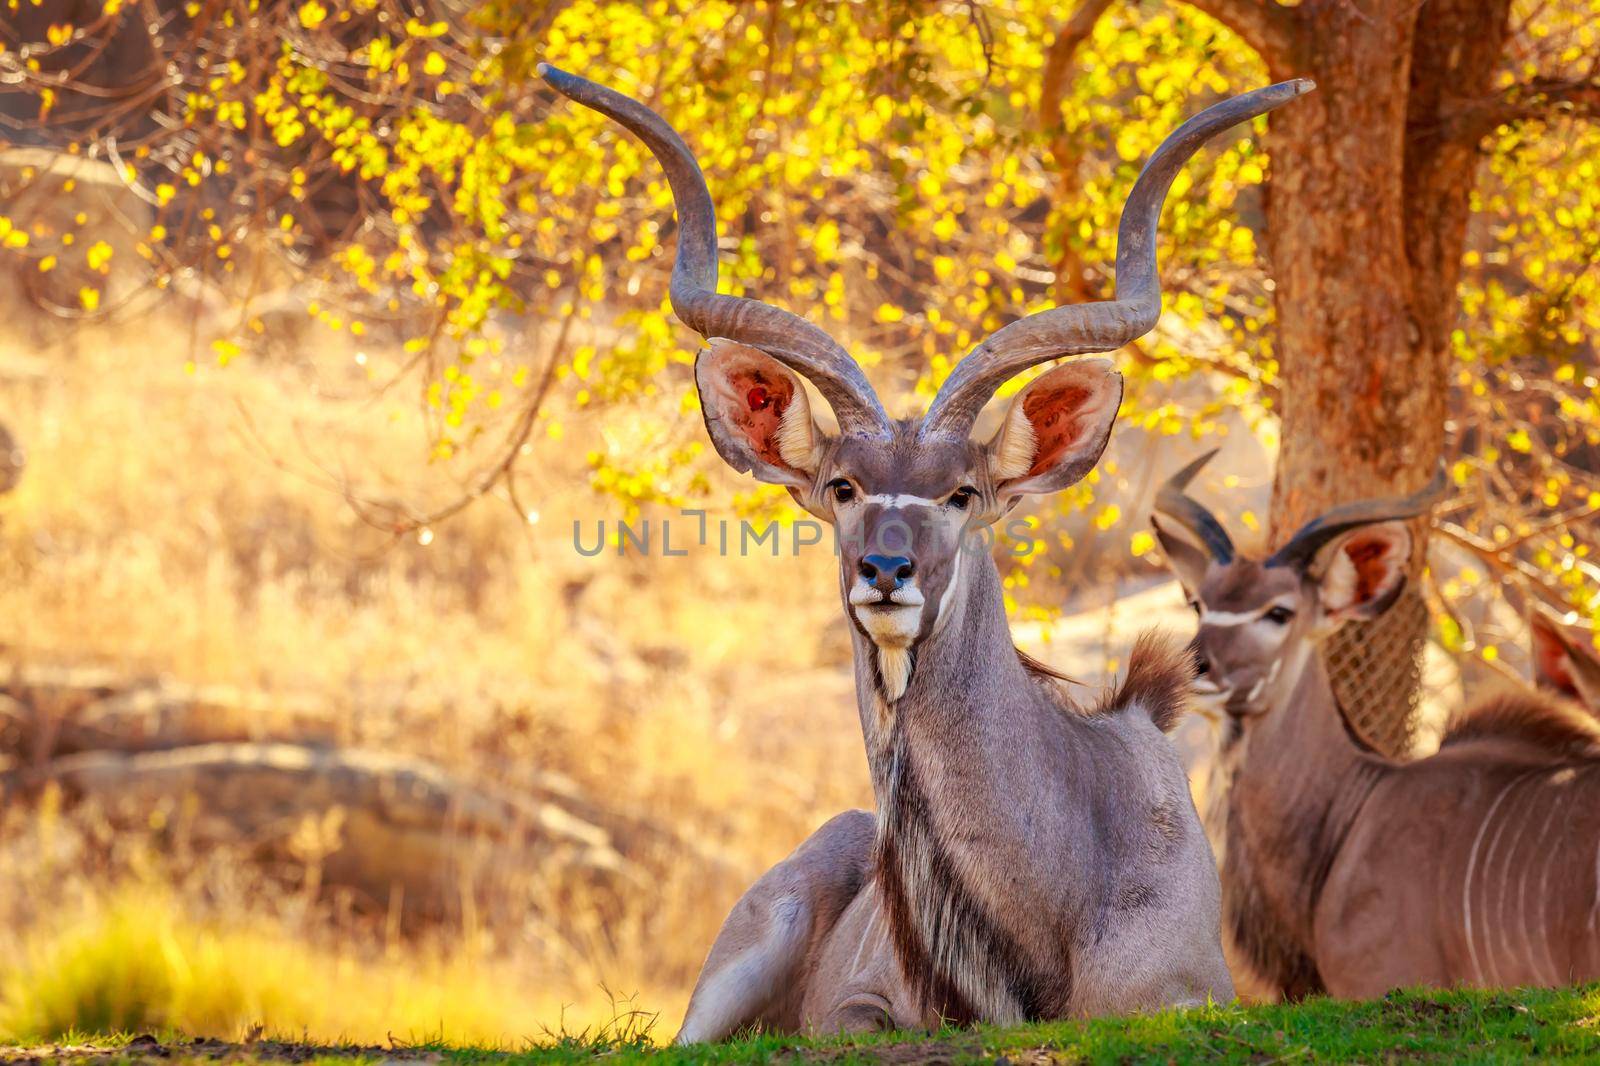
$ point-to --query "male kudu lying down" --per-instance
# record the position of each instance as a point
(1028, 858)
(1343, 871)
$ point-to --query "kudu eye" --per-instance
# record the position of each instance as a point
(1279, 616)
(962, 497)
(842, 489)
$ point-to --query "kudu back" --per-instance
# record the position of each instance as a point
(1346, 872)
(1027, 858)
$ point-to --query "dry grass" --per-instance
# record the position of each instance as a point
(137, 960)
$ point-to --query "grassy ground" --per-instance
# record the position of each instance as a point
(1541, 1025)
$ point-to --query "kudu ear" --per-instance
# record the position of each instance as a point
(1552, 661)
(757, 414)
(1187, 558)
(1361, 574)
(1564, 662)
(1056, 429)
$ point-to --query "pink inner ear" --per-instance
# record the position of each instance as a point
(1369, 556)
(1550, 660)
(1054, 415)
(761, 399)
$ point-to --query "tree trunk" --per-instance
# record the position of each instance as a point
(1362, 413)
(1365, 224)
(1442, 155)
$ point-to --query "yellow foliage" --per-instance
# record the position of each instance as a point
(98, 256)
(312, 14)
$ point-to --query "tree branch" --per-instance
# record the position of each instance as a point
(1539, 98)
(1065, 152)
(1266, 26)
(1058, 61)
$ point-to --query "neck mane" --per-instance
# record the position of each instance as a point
(1300, 779)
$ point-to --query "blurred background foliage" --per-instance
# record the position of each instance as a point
(370, 314)
(909, 175)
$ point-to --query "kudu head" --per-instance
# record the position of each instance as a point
(1259, 617)
(906, 496)
(1565, 660)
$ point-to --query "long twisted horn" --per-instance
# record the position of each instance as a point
(1310, 538)
(1172, 500)
(786, 337)
(1108, 325)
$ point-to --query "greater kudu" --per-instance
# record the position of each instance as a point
(1028, 858)
(1346, 872)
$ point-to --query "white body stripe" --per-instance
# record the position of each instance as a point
(1466, 882)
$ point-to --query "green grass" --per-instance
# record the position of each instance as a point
(1515, 1026)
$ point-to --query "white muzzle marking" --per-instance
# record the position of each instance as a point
(904, 596)
(893, 626)
(1209, 700)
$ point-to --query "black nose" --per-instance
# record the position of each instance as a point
(887, 572)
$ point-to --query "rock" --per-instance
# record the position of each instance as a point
(390, 827)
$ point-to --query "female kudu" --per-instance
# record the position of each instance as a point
(1027, 859)
(1349, 873)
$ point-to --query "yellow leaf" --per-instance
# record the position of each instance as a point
(434, 64)
(99, 256)
(312, 14)
(1141, 543)
(89, 298)
(47, 264)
